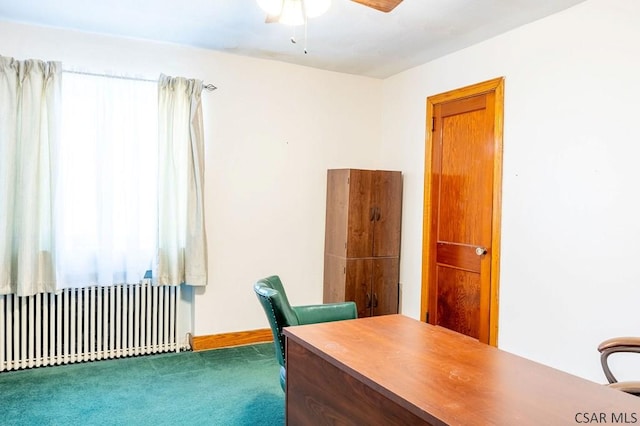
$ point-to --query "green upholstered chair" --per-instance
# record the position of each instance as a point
(281, 314)
(619, 344)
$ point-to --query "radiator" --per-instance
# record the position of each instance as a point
(87, 324)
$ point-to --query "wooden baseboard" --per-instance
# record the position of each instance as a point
(238, 338)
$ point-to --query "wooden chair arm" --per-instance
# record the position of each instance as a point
(619, 341)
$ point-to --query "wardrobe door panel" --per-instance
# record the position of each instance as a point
(361, 214)
(358, 285)
(385, 285)
(387, 199)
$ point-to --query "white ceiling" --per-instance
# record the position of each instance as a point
(349, 38)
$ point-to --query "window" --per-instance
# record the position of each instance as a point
(107, 185)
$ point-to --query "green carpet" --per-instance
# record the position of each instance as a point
(232, 386)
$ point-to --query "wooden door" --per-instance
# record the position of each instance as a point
(461, 244)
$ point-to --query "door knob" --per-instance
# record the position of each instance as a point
(480, 251)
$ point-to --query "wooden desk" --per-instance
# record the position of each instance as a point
(394, 370)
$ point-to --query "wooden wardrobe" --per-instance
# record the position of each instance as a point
(362, 239)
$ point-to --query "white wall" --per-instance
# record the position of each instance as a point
(272, 130)
(571, 203)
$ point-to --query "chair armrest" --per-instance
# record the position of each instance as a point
(311, 314)
(633, 342)
(613, 345)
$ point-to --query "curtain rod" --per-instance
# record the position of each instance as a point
(208, 87)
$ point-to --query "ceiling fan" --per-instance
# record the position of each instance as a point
(295, 12)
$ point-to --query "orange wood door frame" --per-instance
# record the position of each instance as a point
(496, 87)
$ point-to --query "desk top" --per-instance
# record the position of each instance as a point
(443, 376)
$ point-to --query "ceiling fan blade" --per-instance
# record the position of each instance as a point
(381, 5)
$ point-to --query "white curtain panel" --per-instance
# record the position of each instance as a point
(29, 137)
(182, 242)
(108, 180)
